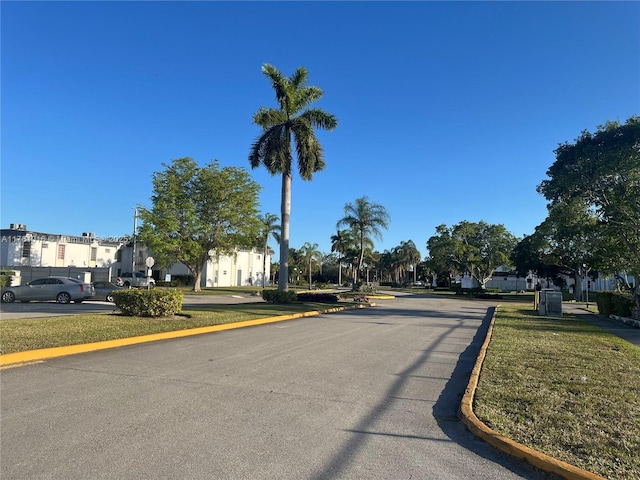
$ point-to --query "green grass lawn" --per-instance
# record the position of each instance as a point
(46, 332)
(563, 388)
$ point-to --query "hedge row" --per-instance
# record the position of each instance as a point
(614, 303)
(290, 296)
(317, 297)
(279, 296)
(148, 303)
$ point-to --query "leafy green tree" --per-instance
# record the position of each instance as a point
(292, 123)
(197, 211)
(367, 220)
(270, 228)
(440, 247)
(567, 240)
(601, 172)
(473, 248)
(310, 253)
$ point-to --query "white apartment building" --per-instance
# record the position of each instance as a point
(20, 247)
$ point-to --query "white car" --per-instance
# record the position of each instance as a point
(136, 279)
(60, 289)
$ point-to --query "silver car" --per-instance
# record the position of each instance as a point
(60, 289)
(104, 290)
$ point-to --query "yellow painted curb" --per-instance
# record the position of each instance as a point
(540, 460)
(45, 353)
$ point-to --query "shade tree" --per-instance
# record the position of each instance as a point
(474, 248)
(197, 212)
(600, 172)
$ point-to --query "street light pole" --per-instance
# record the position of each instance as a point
(133, 249)
(586, 274)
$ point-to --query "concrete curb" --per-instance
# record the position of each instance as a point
(540, 460)
(31, 356)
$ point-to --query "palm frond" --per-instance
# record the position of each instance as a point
(308, 149)
(278, 81)
(268, 117)
(299, 77)
(320, 119)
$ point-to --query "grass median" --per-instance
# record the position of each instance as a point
(36, 333)
(564, 388)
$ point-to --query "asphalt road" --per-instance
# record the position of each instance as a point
(363, 394)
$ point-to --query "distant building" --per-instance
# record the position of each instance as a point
(24, 248)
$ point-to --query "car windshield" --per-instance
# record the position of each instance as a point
(75, 280)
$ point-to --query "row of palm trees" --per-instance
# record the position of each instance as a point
(352, 248)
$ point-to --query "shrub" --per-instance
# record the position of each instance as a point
(279, 296)
(614, 303)
(5, 278)
(317, 297)
(148, 303)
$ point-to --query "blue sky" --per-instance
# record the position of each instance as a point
(447, 111)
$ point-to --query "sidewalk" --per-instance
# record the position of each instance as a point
(626, 332)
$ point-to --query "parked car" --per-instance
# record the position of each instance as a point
(419, 283)
(136, 279)
(104, 289)
(60, 289)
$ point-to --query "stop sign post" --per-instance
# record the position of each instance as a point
(150, 262)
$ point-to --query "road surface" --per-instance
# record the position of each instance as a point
(362, 394)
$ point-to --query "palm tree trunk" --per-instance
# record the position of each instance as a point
(285, 214)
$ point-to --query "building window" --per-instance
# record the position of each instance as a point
(61, 252)
(45, 245)
(107, 250)
(94, 254)
(26, 249)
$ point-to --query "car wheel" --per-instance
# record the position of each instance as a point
(8, 297)
(110, 298)
(127, 284)
(63, 298)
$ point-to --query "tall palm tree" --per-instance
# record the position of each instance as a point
(366, 219)
(411, 255)
(310, 253)
(292, 122)
(269, 229)
(340, 243)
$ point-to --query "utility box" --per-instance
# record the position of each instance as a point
(84, 277)
(550, 303)
(16, 279)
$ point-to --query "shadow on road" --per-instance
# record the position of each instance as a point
(445, 410)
